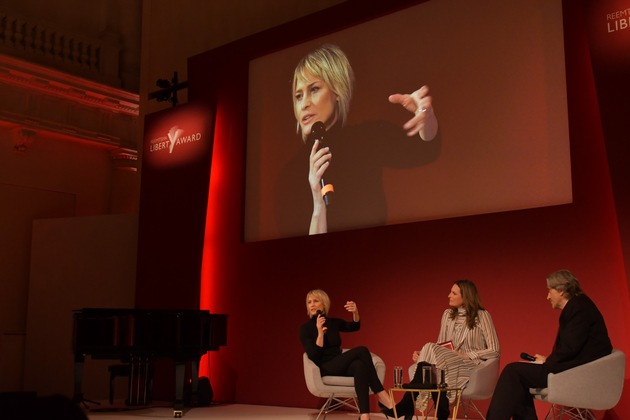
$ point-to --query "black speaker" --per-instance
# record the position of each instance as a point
(204, 391)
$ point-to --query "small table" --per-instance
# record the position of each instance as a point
(440, 391)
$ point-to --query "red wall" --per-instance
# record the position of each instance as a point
(399, 275)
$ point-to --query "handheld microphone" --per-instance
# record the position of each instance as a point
(317, 133)
(528, 357)
(317, 314)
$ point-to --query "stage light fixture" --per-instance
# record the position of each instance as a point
(168, 90)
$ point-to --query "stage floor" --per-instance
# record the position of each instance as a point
(224, 412)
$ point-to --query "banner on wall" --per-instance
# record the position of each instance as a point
(177, 136)
(608, 24)
(176, 161)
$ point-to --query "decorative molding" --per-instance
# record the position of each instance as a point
(125, 159)
(42, 43)
(19, 73)
(40, 98)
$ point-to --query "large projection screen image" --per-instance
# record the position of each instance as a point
(496, 78)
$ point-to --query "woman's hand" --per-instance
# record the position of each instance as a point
(321, 319)
(318, 163)
(352, 307)
(415, 356)
(419, 103)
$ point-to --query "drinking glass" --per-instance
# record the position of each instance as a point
(398, 376)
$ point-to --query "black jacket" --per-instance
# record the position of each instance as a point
(332, 339)
(582, 336)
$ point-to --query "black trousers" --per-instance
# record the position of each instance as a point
(356, 362)
(511, 397)
(406, 406)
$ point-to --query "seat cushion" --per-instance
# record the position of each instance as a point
(338, 380)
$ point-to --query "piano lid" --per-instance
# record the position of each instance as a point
(117, 332)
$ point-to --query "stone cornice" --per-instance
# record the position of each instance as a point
(43, 99)
(18, 73)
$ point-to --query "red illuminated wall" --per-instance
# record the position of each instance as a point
(609, 39)
(399, 275)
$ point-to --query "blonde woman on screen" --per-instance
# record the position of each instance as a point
(322, 90)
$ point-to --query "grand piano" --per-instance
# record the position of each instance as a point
(137, 337)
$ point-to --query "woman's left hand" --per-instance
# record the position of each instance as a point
(351, 306)
(353, 309)
(419, 103)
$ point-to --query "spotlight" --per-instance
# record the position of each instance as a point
(163, 83)
(168, 90)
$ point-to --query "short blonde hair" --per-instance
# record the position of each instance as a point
(330, 64)
(322, 297)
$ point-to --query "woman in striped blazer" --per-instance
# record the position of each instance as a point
(467, 337)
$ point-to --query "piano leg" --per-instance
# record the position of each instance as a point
(78, 379)
(180, 374)
(78, 384)
(180, 382)
(194, 382)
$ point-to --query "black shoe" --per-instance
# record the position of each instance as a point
(405, 408)
(389, 412)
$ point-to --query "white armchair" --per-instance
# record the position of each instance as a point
(481, 385)
(596, 385)
(338, 390)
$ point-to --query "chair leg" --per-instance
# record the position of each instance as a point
(467, 404)
(333, 403)
(558, 412)
(324, 409)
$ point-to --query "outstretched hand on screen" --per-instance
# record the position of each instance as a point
(424, 121)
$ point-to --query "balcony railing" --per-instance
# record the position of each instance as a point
(95, 59)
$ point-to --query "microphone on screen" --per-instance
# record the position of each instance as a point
(318, 132)
(317, 314)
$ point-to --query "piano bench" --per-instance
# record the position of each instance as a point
(114, 371)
